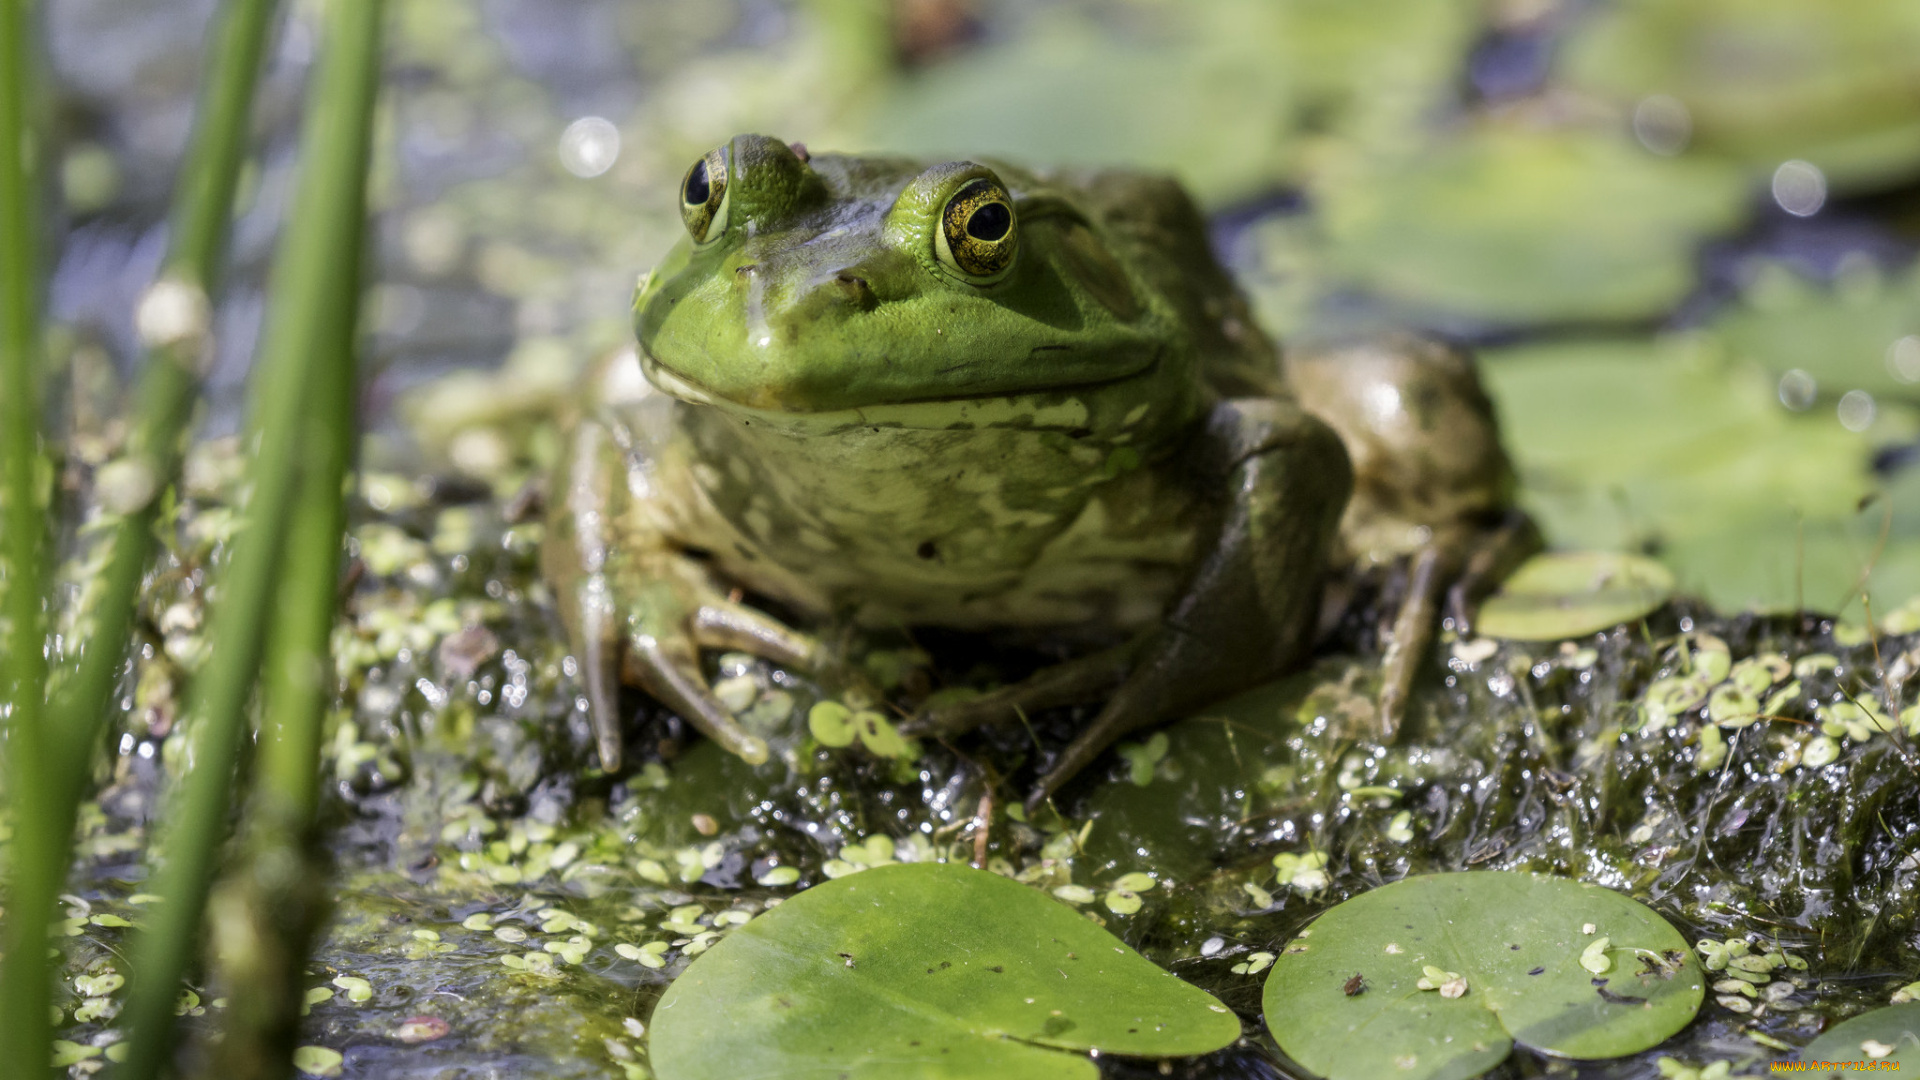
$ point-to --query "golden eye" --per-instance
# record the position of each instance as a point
(978, 233)
(703, 197)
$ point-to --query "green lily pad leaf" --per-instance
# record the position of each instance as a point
(1488, 225)
(1669, 445)
(925, 969)
(880, 737)
(1515, 959)
(832, 723)
(1888, 1037)
(1814, 81)
(1858, 333)
(1567, 594)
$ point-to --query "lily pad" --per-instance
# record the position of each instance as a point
(1504, 957)
(1228, 94)
(929, 970)
(1767, 80)
(1212, 110)
(1567, 594)
(1508, 226)
(1672, 447)
(1889, 1038)
(1862, 333)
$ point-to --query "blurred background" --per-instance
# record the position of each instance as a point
(1682, 234)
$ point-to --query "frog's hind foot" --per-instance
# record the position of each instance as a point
(1083, 679)
(1475, 564)
(1499, 553)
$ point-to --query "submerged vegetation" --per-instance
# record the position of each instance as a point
(1721, 383)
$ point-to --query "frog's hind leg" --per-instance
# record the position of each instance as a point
(1433, 491)
(1499, 553)
(1249, 611)
(1474, 562)
(1412, 633)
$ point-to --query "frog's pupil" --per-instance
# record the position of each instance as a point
(698, 190)
(990, 222)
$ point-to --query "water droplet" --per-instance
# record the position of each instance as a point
(1856, 410)
(1662, 124)
(1797, 390)
(1903, 358)
(589, 146)
(1800, 188)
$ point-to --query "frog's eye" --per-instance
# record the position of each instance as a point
(978, 234)
(703, 197)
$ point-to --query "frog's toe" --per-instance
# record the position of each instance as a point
(669, 669)
(722, 624)
(1106, 729)
(1412, 632)
(1476, 563)
(1075, 681)
(1131, 708)
(599, 672)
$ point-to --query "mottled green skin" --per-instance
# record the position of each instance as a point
(1097, 444)
(925, 450)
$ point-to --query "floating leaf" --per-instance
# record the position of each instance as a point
(1142, 758)
(1814, 81)
(1512, 956)
(1568, 594)
(318, 1061)
(1631, 445)
(831, 723)
(1487, 224)
(880, 737)
(1889, 1037)
(925, 969)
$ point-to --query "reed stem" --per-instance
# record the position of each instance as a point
(299, 352)
(39, 848)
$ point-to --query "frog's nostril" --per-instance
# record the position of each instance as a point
(746, 268)
(854, 289)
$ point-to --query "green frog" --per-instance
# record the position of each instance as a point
(892, 393)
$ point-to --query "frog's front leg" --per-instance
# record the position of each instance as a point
(635, 603)
(1249, 610)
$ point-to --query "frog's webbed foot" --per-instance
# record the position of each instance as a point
(664, 636)
(1499, 552)
(1474, 562)
(644, 608)
(1083, 678)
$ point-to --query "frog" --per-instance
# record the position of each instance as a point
(884, 393)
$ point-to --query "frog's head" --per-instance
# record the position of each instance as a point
(825, 283)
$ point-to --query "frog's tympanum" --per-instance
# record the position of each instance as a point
(893, 393)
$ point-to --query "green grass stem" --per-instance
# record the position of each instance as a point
(60, 747)
(170, 378)
(269, 907)
(320, 245)
(38, 847)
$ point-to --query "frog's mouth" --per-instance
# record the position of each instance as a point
(1063, 407)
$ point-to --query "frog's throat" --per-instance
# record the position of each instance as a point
(1060, 406)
